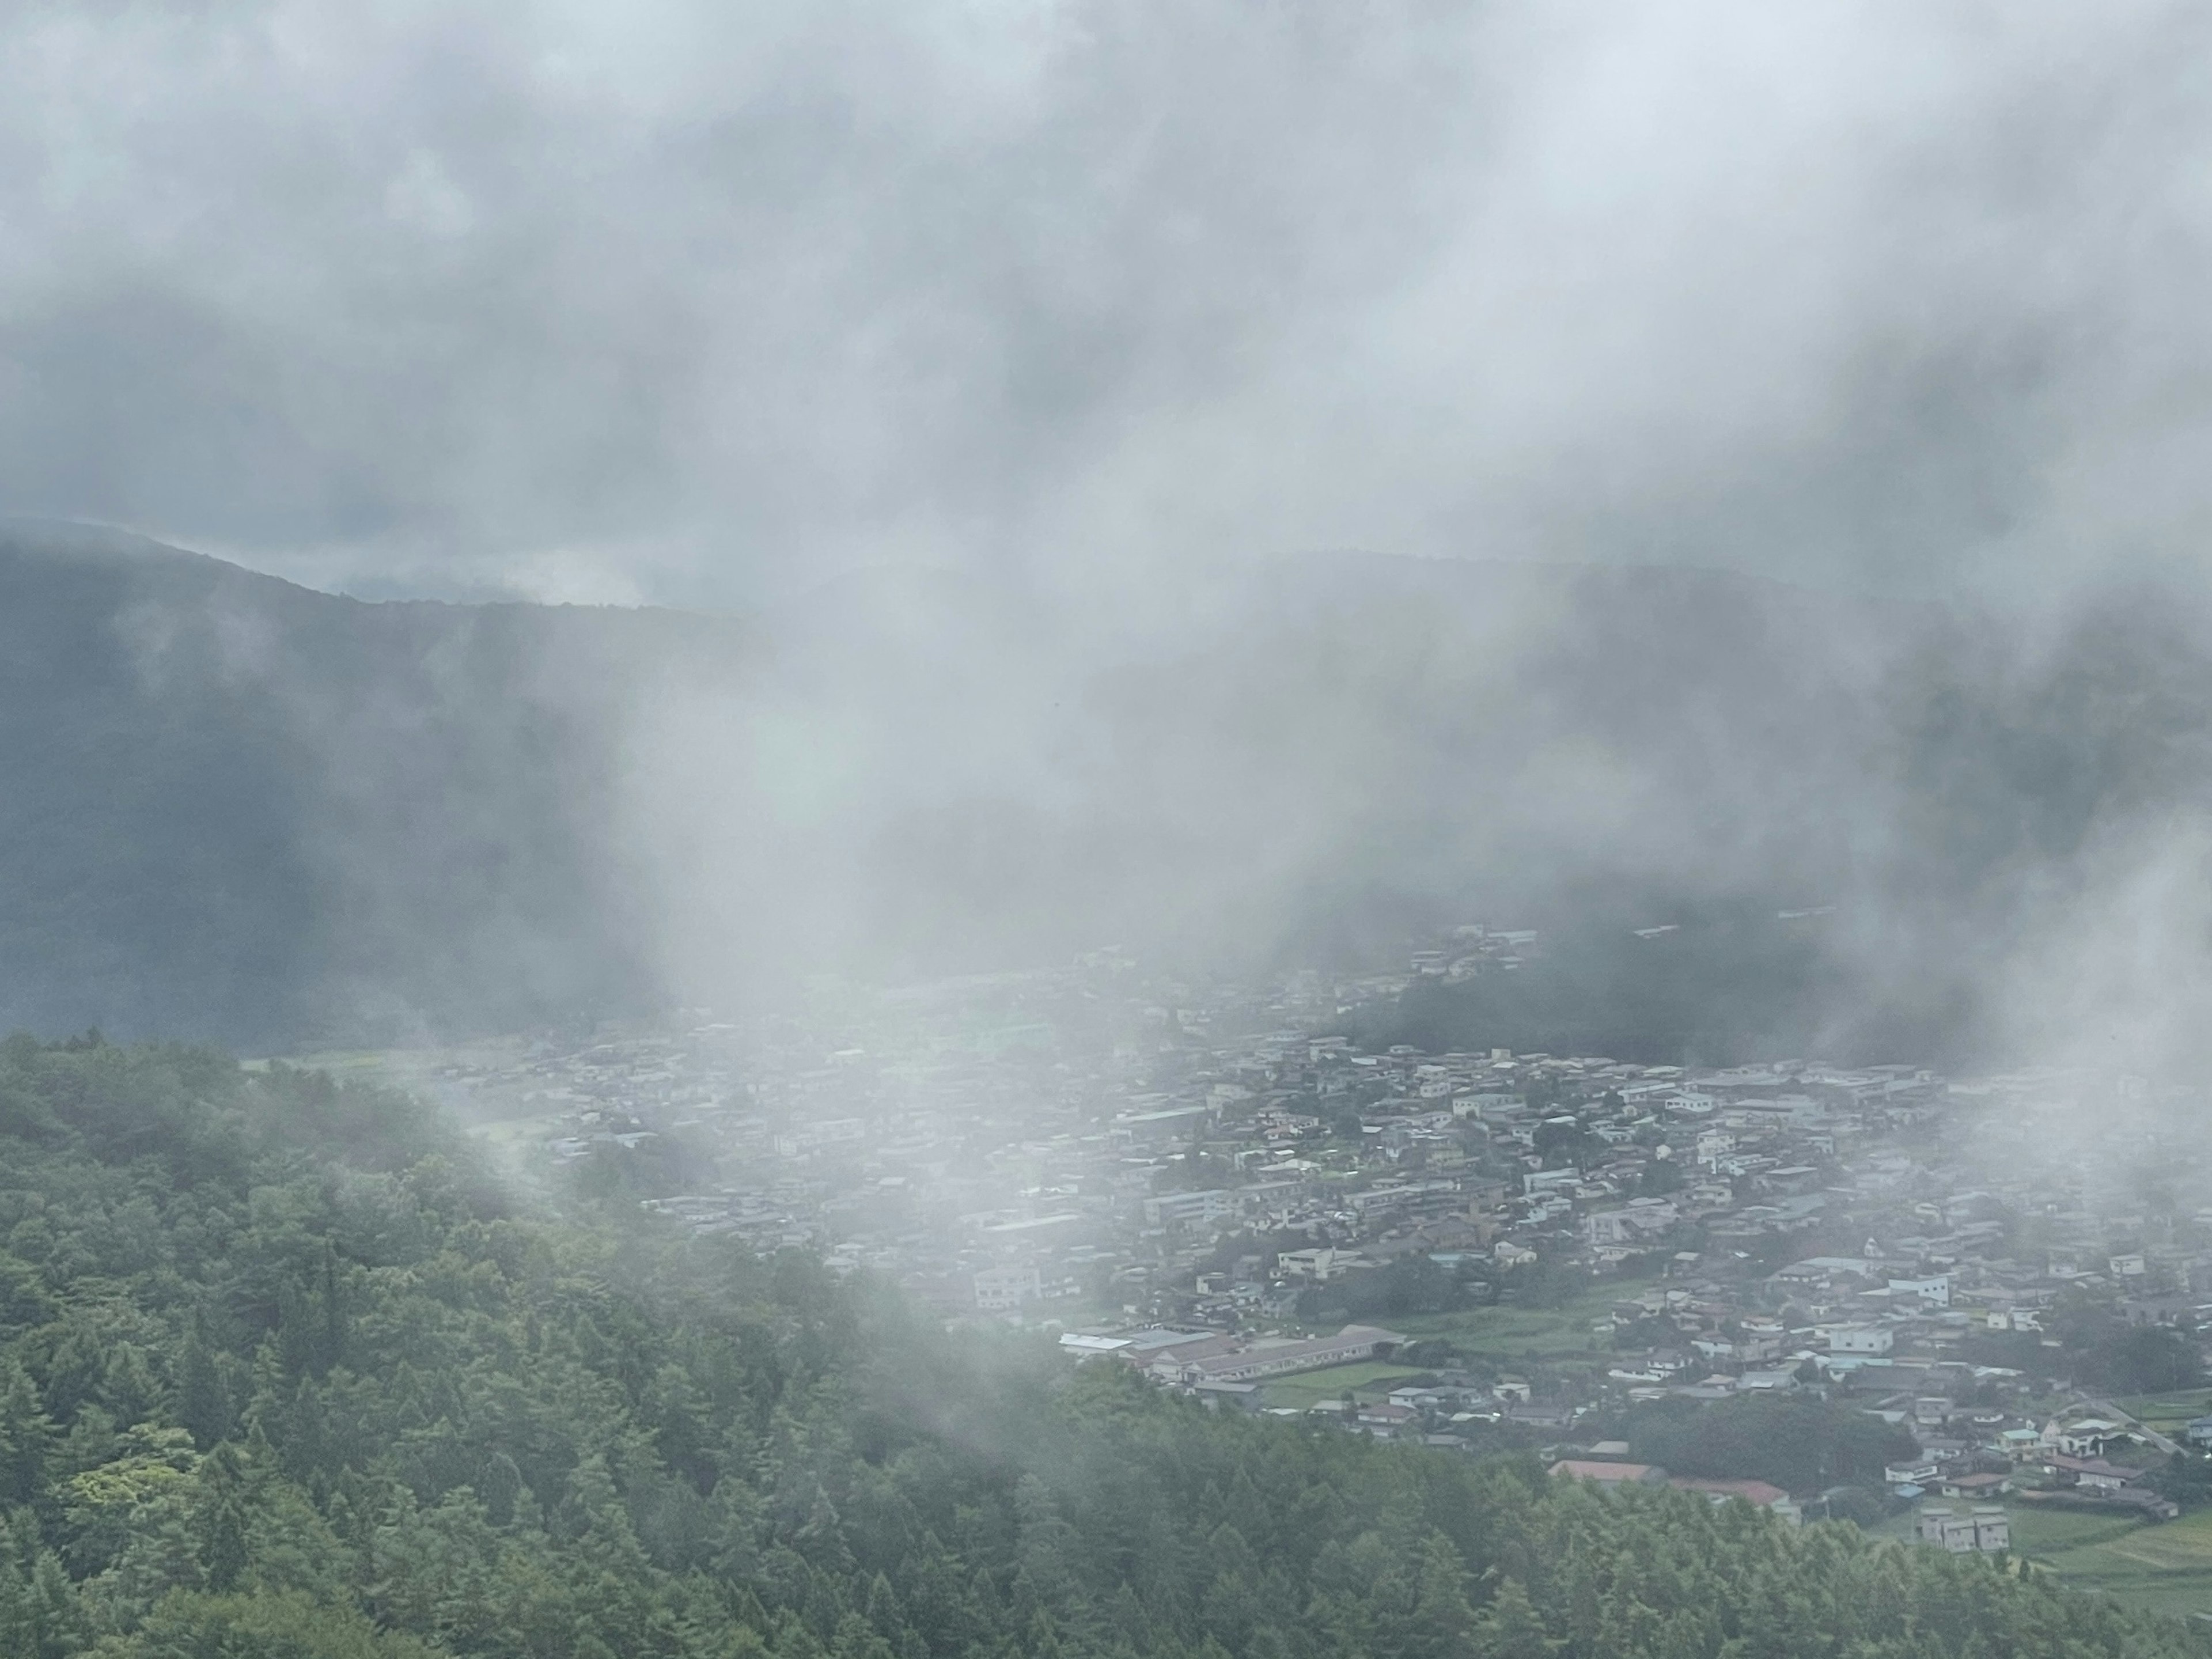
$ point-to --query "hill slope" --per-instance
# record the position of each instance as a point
(260, 1402)
(240, 808)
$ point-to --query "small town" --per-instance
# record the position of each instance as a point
(1081, 830)
(1946, 1286)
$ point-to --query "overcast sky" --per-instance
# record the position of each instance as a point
(700, 301)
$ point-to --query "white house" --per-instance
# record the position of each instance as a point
(1319, 1264)
(1000, 1289)
(1936, 1290)
(1985, 1528)
(2086, 1436)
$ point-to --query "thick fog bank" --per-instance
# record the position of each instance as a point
(246, 810)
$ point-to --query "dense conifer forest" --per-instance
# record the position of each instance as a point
(285, 1374)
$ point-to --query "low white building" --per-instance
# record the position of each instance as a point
(1002, 1290)
(1985, 1528)
(1319, 1264)
(1639, 1219)
(1935, 1290)
(2086, 1436)
(1190, 1209)
(1767, 1383)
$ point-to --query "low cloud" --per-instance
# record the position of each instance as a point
(705, 304)
(999, 365)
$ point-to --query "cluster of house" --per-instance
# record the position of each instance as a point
(2063, 1464)
(1205, 1173)
(2066, 1463)
(1062, 1143)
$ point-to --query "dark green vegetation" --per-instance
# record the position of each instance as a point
(236, 808)
(2095, 1348)
(1414, 1286)
(1799, 1444)
(1731, 982)
(276, 1384)
(239, 810)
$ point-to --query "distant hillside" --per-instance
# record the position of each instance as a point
(239, 809)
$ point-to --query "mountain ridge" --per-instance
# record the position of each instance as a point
(249, 809)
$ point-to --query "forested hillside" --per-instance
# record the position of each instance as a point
(284, 1375)
(241, 810)
(237, 808)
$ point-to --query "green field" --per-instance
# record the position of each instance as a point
(1515, 1333)
(1371, 1378)
(2166, 1568)
(2169, 1414)
(336, 1060)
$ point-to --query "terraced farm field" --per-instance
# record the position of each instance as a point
(2168, 1567)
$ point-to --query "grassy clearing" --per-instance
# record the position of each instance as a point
(1371, 1378)
(1512, 1332)
(2041, 1533)
(340, 1061)
(2166, 1568)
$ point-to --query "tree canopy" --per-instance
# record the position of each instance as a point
(285, 1375)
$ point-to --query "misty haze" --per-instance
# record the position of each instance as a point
(1227, 830)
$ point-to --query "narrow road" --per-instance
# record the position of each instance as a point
(2107, 1408)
